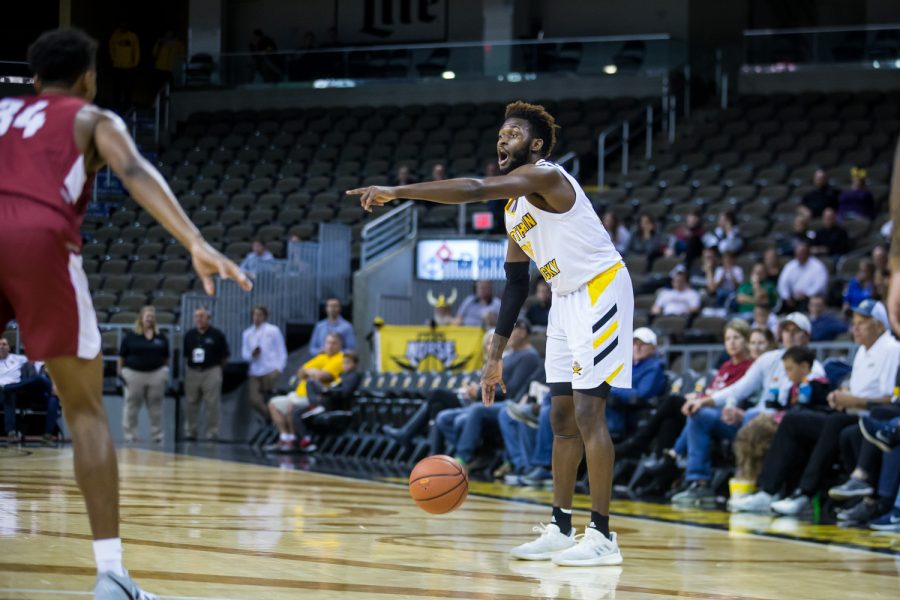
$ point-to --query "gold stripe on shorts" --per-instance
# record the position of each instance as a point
(598, 284)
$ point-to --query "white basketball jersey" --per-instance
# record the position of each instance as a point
(569, 248)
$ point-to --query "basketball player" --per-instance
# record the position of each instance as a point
(551, 221)
(51, 145)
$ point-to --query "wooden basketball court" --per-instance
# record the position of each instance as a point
(198, 528)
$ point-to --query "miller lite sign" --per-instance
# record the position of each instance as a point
(401, 21)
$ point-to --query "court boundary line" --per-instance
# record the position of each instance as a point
(76, 593)
(712, 526)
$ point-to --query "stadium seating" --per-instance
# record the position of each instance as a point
(278, 173)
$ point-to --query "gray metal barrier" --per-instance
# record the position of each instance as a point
(711, 353)
(291, 289)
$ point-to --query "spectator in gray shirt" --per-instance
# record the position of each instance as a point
(471, 311)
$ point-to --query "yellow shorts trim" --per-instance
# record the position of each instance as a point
(605, 335)
(598, 284)
(614, 373)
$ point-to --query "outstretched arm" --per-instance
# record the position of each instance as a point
(514, 295)
(527, 179)
(894, 290)
(115, 148)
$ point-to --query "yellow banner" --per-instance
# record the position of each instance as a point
(407, 348)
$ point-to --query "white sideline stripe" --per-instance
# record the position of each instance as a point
(71, 593)
(88, 333)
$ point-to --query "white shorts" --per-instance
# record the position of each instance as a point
(589, 333)
(285, 404)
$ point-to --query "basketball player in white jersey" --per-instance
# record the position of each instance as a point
(551, 221)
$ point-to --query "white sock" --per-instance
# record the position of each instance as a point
(108, 554)
(287, 437)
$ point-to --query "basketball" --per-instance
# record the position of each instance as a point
(438, 484)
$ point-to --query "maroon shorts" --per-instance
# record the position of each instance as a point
(42, 283)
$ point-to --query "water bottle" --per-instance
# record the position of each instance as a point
(804, 394)
(773, 394)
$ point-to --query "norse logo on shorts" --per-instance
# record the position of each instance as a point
(576, 368)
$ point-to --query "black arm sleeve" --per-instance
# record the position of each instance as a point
(514, 295)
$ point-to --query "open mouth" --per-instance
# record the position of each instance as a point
(502, 157)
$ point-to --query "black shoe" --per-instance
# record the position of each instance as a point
(883, 434)
(479, 462)
(626, 450)
(860, 513)
(395, 433)
(660, 465)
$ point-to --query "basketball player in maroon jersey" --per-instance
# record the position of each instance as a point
(51, 145)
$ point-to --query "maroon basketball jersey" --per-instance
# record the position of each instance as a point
(40, 162)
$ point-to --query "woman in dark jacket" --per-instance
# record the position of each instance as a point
(144, 368)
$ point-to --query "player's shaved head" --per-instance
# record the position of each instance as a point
(61, 56)
(542, 124)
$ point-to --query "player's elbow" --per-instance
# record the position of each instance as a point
(133, 168)
(474, 190)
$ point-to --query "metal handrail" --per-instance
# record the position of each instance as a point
(713, 351)
(478, 44)
(575, 169)
(161, 111)
(625, 126)
(121, 329)
(388, 230)
(814, 30)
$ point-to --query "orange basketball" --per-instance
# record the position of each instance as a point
(438, 484)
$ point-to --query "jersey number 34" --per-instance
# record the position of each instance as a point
(29, 120)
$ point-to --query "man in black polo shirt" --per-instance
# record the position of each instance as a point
(205, 351)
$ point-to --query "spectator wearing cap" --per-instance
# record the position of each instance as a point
(333, 323)
(803, 277)
(462, 428)
(825, 325)
(648, 376)
(822, 196)
(857, 202)
(681, 299)
(831, 239)
(471, 311)
(765, 381)
(816, 434)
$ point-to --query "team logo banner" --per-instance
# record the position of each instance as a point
(420, 348)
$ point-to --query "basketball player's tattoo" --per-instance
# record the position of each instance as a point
(498, 345)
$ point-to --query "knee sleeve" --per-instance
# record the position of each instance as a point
(601, 391)
(560, 389)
